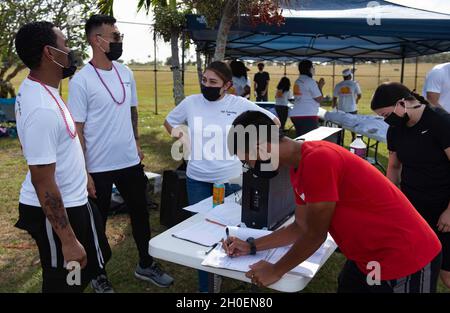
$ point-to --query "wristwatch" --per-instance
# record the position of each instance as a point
(251, 242)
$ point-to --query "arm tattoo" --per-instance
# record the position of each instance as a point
(55, 212)
(134, 121)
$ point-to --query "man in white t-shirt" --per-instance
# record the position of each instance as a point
(103, 100)
(437, 86)
(347, 94)
(53, 202)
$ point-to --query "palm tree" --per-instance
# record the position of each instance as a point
(169, 23)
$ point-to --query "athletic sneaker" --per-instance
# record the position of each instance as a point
(101, 284)
(154, 274)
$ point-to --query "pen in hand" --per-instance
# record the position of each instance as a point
(227, 241)
(212, 248)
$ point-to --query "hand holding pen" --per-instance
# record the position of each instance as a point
(234, 246)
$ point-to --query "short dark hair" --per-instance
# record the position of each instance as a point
(250, 118)
(387, 94)
(30, 42)
(260, 64)
(222, 70)
(96, 21)
(304, 67)
(284, 84)
(238, 69)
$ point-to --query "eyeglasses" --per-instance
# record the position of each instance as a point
(117, 37)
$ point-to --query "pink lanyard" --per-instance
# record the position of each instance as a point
(71, 134)
(109, 91)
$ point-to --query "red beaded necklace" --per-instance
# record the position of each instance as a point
(109, 91)
(71, 134)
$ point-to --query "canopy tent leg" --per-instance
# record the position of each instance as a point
(354, 69)
(415, 76)
(334, 75)
(183, 55)
(402, 72)
(285, 69)
(379, 72)
(155, 70)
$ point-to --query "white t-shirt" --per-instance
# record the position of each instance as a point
(346, 91)
(305, 90)
(108, 130)
(46, 140)
(239, 84)
(438, 81)
(282, 98)
(209, 123)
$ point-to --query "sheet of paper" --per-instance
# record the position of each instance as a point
(218, 258)
(228, 213)
(206, 205)
(203, 233)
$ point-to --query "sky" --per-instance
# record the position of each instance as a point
(138, 41)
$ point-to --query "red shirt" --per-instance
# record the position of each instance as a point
(373, 220)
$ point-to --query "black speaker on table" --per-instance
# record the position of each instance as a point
(267, 203)
(173, 198)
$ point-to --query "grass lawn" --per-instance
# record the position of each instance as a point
(19, 260)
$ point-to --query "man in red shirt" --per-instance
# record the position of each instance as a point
(338, 192)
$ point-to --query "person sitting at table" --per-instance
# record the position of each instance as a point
(390, 248)
(282, 99)
(308, 95)
(418, 141)
(209, 114)
(241, 83)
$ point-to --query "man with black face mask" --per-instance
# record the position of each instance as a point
(53, 203)
(103, 100)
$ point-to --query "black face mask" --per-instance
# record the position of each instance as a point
(211, 93)
(256, 170)
(115, 51)
(71, 61)
(397, 121)
(72, 68)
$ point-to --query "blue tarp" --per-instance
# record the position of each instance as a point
(332, 29)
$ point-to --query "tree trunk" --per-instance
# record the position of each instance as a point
(199, 66)
(229, 15)
(178, 89)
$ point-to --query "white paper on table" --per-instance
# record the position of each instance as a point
(228, 213)
(206, 205)
(201, 207)
(219, 259)
(203, 233)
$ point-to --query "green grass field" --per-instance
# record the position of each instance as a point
(19, 260)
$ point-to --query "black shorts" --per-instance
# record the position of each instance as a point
(352, 280)
(431, 215)
(87, 225)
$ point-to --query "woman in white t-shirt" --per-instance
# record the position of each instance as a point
(282, 100)
(308, 95)
(208, 117)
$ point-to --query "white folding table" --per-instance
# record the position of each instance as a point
(168, 248)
